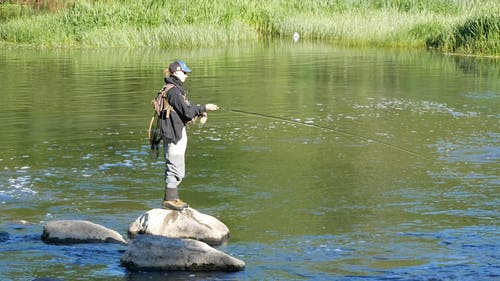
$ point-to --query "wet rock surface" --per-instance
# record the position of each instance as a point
(163, 240)
(160, 253)
(79, 231)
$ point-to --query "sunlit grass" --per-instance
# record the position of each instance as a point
(381, 28)
(166, 36)
(448, 25)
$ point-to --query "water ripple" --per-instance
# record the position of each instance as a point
(484, 148)
(418, 107)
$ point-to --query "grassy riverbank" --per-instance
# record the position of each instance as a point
(460, 26)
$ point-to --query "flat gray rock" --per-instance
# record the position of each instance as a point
(187, 223)
(160, 253)
(79, 231)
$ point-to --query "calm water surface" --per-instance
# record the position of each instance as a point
(379, 165)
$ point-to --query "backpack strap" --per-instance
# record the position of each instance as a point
(166, 106)
(160, 103)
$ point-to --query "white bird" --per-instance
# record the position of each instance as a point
(296, 37)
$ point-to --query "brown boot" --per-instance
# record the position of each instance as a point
(176, 205)
(172, 200)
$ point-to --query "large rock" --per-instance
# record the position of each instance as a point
(160, 253)
(79, 231)
(187, 223)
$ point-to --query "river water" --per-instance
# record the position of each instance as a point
(325, 163)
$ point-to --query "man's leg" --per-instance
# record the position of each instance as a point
(175, 171)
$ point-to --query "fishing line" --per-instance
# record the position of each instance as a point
(393, 146)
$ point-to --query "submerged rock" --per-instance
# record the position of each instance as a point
(79, 231)
(160, 253)
(187, 223)
(4, 236)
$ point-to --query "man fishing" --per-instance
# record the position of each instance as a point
(173, 130)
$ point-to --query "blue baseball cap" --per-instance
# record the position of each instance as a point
(178, 65)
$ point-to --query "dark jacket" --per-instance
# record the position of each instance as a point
(184, 111)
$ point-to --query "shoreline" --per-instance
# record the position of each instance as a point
(459, 28)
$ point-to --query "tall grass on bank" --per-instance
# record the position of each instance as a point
(479, 34)
(448, 25)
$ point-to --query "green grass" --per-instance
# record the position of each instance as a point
(479, 34)
(461, 26)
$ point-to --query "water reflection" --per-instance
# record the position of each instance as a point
(318, 191)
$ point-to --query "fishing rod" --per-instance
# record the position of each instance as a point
(393, 146)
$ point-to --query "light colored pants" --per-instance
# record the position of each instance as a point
(175, 161)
